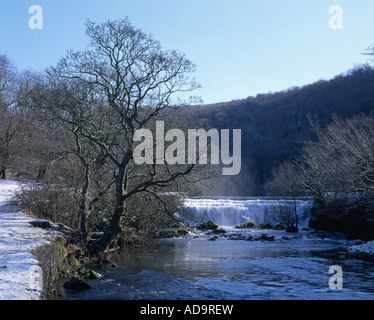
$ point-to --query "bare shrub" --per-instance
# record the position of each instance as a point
(51, 202)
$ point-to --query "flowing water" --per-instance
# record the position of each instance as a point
(293, 266)
(229, 212)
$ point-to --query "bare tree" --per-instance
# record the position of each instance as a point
(341, 161)
(338, 171)
(107, 92)
(370, 52)
(286, 181)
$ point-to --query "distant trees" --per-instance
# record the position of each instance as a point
(275, 126)
(8, 112)
(337, 170)
(17, 124)
(286, 181)
(341, 161)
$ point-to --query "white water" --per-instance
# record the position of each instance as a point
(229, 212)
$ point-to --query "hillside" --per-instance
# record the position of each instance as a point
(275, 125)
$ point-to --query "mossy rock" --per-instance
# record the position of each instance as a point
(182, 232)
(235, 236)
(265, 226)
(89, 275)
(279, 226)
(247, 225)
(209, 225)
(217, 231)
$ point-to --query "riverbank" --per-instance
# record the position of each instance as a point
(363, 250)
(194, 268)
(20, 276)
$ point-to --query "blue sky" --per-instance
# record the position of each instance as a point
(240, 47)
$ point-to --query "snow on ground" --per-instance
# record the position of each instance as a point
(362, 250)
(17, 239)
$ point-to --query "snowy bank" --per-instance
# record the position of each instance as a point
(361, 250)
(17, 239)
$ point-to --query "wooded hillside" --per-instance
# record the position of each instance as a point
(275, 125)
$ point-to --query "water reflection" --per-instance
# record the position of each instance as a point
(226, 269)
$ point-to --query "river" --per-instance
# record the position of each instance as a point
(292, 267)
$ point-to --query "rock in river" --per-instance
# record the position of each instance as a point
(76, 284)
(209, 225)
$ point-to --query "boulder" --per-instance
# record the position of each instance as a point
(182, 232)
(76, 284)
(63, 228)
(236, 236)
(213, 238)
(292, 229)
(209, 225)
(267, 238)
(217, 231)
(279, 226)
(44, 224)
(265, 226)
(247, 225)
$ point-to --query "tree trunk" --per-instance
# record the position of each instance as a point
(115, 224)
(3, 173)
(41, 173)
(109, 235)
(84, 205)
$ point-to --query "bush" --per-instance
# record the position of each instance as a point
(49, 202)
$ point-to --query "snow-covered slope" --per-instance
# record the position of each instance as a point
(17, 239)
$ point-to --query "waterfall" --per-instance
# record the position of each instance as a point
(229, 212)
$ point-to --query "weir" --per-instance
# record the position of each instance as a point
(229, 212)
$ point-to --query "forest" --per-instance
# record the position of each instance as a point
(276, 125)
(71, 129)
